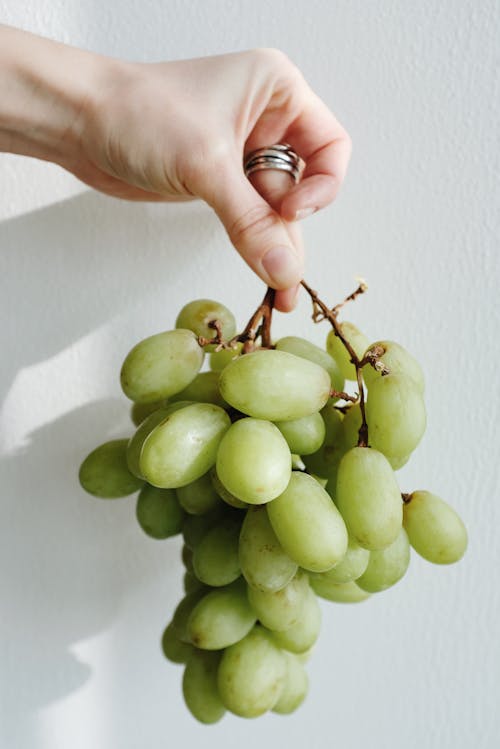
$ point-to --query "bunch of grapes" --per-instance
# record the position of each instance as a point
(282, 484)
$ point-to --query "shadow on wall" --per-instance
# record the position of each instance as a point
(67, 559)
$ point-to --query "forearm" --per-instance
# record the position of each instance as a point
(44, 87)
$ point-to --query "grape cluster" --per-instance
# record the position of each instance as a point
(281, 493)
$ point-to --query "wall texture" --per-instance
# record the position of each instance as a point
(85, 593)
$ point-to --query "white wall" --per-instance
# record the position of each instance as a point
(85, 593)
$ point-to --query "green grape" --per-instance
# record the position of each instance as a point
(199, 496)
(203, 389)
(221, 618)
(197, 315)
(254, 462)
(386, 566)
(275, 385)
(302, 635)
(187, 558)
(349, 568)
(306, 350)
(195, 526)
(264, 563)
(398, 461)
(224, 494)
(220, 359)
(351, 425)
(308, 525)
(252, 674)
(199, 686)
(395, 412)
(158, 512)
(280, 610)
(215, 558)
(338, 351)
(297, 462)
(105, 473)
(435, 530)
(324, 463)
(305, 435)
(161, 365)
(191, 583)
(173, 649)
(139, 411)
(398, 361)
(183, 612)
(184, 446)
(295, 687)
(338, 592)
(332, 419)
(369, 498)
(137, 440)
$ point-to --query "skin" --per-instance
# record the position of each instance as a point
(176, 131)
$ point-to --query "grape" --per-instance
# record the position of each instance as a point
(280, 610)
(264, 564)
(332, 419)
(223, 493)
(199, 686)
(203, 389)
(220, 359)
(398, 361)
(338, 351)
(158, 512)
(395, 413)
(295, 687)
(351, 425)
(308, 525)
(136, 442)
(184, 446)
(349, 568)
(338, 592)
(254, 462)
(199, 496)
(215, 558)
(183, 612)
(369, 498)
(386, 566)
(306, 350)
(191, 583)
(105, 474)
(305, 435)
(196, 315)
(195, 526)
(275, 385)
(173, 649)
(252, 674)
(435, 530)
(302, 635)
(139, 411)
(187, 558)
(221, 618)
(161, 365)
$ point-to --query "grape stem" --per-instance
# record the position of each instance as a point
(322, 312)
(253, 330)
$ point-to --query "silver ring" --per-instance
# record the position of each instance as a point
(280, 156)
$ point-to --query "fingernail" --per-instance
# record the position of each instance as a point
(282, 265)
(304, 213)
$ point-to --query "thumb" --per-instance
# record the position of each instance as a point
(257, 231)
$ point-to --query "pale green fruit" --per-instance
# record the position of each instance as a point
(158, 512)
(295, 687)
(369, 498)
(395, 412)
(194, 527)
(281, 610)
(199, 496)
(203, 389)
(338, 592)
(137, 440)
(303, 634)
(174, 649)
(253, 461)
(220, 359)
(386, 566)
(307, 350)
(139, 411)
(161, 365)
(199, 686)
(308, 525)
(338, 351)
(275, 385)
(105, 473)
(197, 315)
(183, 612)
(252, 674)
(224, 494)
(184, 446)
(215, 558)
(435, 530)
(349, 568)
(351, 425)
(191, 583)
(221, 618)
(263, 561)
(332, 419)
(398, 361)
(304, 436)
